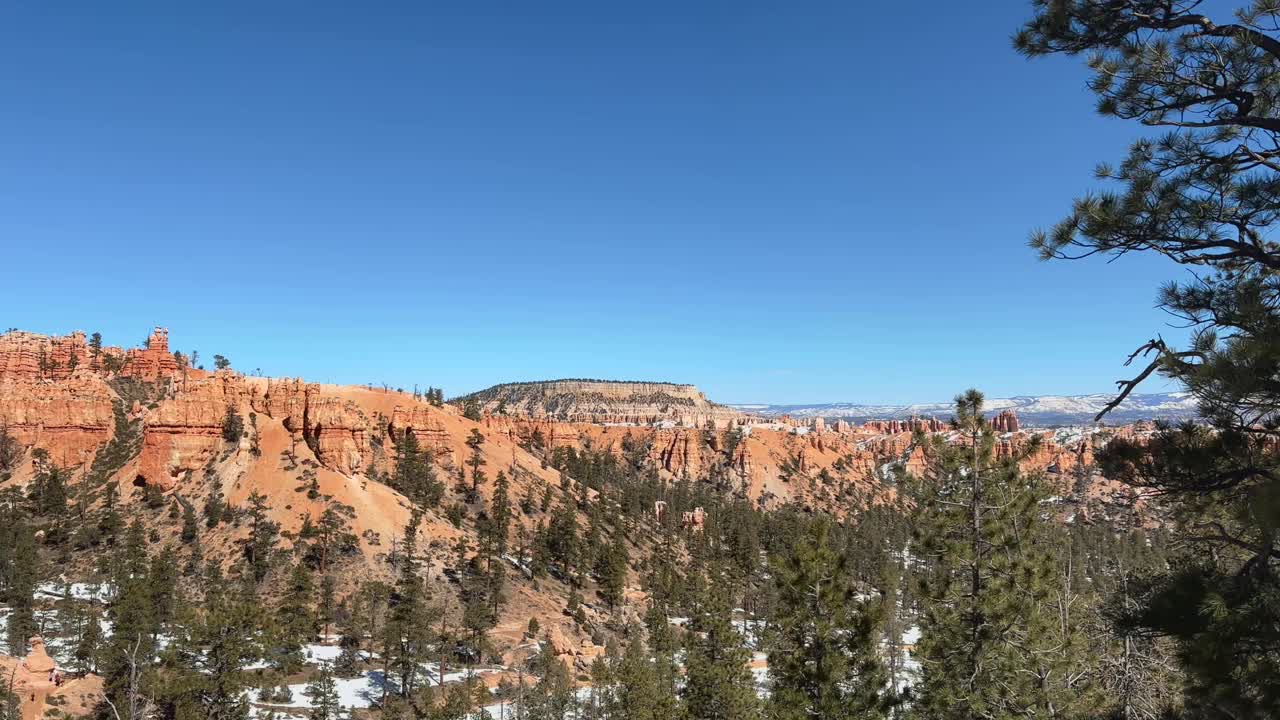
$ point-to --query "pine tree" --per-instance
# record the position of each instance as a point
(89, 642)
(190, 528)
(476, 461)
(295, 618)
(995, 642)
(221, 640)
(323, 693)
(232, 425)
(718, 683)
(611, 570)
(823, 659)
(408, 628)
(259, 547)
(1202, 196)
(326, 603)
(642, 692)
(414, 474)
(552, 697)
(134, 625)
(22, 576)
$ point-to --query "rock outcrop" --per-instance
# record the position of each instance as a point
(70, 418)
(152, 362)
(31, 357)
(1005, 422)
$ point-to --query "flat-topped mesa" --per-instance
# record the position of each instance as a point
(604, 401)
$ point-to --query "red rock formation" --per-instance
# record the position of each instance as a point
(29, 357)
(70, 419)
(1006, 421)
(153, 362)
(336, 429)
(427, 428)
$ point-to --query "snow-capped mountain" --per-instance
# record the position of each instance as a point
(1037, 411)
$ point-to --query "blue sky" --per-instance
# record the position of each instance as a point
(780, 202)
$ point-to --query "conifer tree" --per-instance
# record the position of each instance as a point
(823, 659)
(220, 640)
(190, 528)
(232, 425)
(1201, 196)
(611, 570)
(125, 658)
(642, 693)
(259, 547)
(476, 461)
(552, 697)
(718, 684)
(89, 642)
(294, 621)
(322, 691)
(21, 576)
(408, 627)
(414, 473)
(994, 641)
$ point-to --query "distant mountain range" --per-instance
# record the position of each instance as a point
(1035, 411)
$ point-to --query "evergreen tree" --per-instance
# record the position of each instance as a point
(1203, 196)
(611, 570)
(327, 603)
(295, 618)
(134, 625)
(322, 691)
(823, 659)
(552, 697)
(414, 473)
(409, 619)
(190, 528)
(232, 425)
(89, 642)
(476, 461)
(995, 640)
(718, 683)
(22, 573)
(207, 662)
(259, 547)
(641, 692)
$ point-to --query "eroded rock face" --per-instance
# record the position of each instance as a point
(183, 431)
(337, 430)
(1005, 421)
(70, 418)
(30, 357)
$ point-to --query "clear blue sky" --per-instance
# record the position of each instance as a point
(780, 202)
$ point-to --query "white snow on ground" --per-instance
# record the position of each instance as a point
(360, 692)
(911, 636)
(80, 591)
(321, 653)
